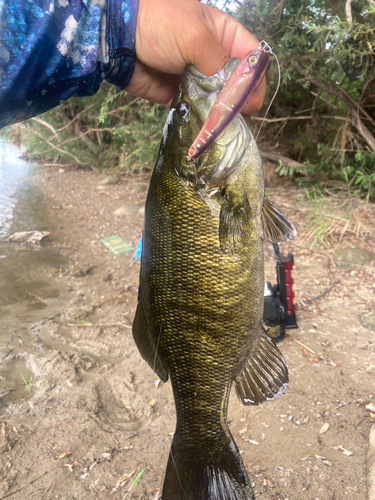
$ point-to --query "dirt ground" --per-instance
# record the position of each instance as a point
(94, 417)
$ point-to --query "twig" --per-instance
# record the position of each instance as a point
(305, 346)
(63, 165)
(37, 297)
(351, 104)
(45, 124)
(324, 99)
(348, 12)
(285, 118)
(320, 295)
(54, 147)
(72, 121)
(15, 453)
(76, 139)
(26, 485)
(275, 157)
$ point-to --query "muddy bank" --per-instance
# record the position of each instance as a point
(94, 417)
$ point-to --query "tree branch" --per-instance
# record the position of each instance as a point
(348, 12)
(284, 159)
(354, 117)
(45, 124)
(56, 148)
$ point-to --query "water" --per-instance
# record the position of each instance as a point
(28, 289)
(21, 203)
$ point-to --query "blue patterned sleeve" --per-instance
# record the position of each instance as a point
(51, 50)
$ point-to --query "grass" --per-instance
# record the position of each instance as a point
(136, 480)
(332, 215)
(27, 383)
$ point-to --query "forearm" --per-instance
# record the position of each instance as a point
(51, 51)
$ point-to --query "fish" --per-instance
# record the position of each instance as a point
(198, 320)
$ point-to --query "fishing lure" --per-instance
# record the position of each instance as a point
(232, 97)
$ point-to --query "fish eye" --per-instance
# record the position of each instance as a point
(183, 109)
(253, 59)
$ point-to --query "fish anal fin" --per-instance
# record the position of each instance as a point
(276, 227)
(148, 343)
(234, 216)
(264, 376)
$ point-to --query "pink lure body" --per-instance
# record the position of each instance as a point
(241, 83)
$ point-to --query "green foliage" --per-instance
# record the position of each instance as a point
(109, 130)
(328, 83)
(327, 98)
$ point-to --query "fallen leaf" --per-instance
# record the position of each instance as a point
(324, 428)
(125, 477)
(305, 351)
(341, 448)
(267, 482)
(327, 462)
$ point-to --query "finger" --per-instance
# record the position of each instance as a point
(153, 85)
(228, 38)
(235, 40)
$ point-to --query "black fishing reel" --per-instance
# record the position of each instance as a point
(279, 309)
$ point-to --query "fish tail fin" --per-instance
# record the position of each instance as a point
(219, 475)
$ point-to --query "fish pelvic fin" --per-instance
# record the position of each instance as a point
(217, 476)
(276, 227)
(264, 376)
(234, 216)
(147, 343)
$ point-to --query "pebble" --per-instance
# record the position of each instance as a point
(354, 256)
(368, 321)
(128, 210)
(139, 188)
(109, 179)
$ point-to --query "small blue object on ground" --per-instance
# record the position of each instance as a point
(138, 251)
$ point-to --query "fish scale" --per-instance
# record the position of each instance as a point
(200, 304)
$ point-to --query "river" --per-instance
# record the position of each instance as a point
(28, 290)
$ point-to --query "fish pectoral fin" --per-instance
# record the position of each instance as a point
(148, 343)
(264, 376)
(276, 226)
(234, 215)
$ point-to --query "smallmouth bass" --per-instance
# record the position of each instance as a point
(200, 303)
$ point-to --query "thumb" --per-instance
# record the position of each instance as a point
(205, 52)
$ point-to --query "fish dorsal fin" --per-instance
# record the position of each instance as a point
(264, 376)
(234, 217)
(276, 226)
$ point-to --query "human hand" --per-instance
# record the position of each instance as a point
(172, 34)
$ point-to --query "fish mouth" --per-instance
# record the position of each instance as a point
(232, 143)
